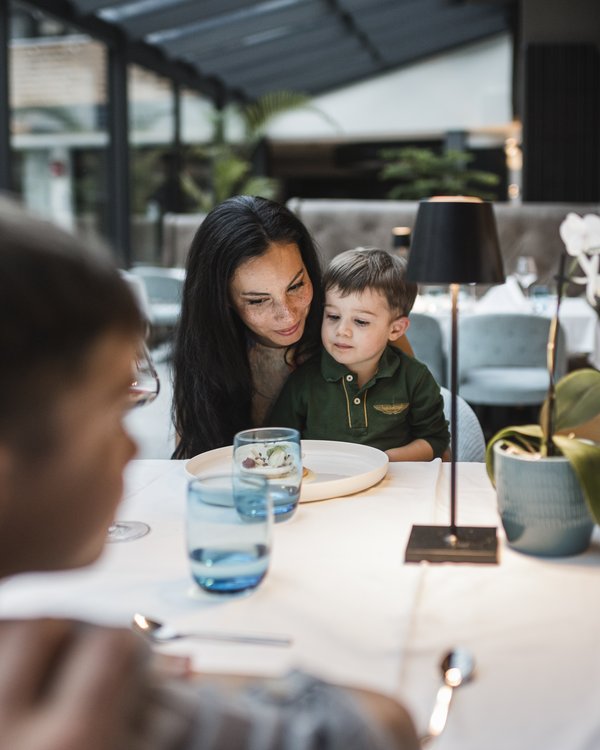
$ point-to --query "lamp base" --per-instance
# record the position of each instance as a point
(469, 544)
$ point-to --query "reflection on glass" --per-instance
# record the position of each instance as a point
(153, 163)
(58, 98)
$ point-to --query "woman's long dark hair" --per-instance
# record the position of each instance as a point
(212, 380)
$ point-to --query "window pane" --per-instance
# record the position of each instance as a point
(153, 161)
(58, 110)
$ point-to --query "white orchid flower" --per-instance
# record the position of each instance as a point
(581, 236)
(573, 234)
(592, 225)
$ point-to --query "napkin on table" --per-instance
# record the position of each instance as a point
(507, 297)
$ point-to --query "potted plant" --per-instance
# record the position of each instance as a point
(233, 165)
(548, 475)
(416, 173)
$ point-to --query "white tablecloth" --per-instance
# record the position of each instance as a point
(358, 614)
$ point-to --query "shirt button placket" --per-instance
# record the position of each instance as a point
(358, 412)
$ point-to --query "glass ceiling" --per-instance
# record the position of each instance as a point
(249, 48)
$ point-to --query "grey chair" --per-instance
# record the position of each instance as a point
(138, 288)
(427, 341)
(164, 287)
(471, 442)
(502, 359)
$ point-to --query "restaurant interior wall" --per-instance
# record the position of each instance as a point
(425, 105)
(465, 89)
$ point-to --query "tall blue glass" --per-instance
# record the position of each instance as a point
(274, 453)
(229, 523)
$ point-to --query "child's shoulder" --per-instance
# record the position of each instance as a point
(412, 367)
(404, 357)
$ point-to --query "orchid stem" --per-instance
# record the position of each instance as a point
(547, 442)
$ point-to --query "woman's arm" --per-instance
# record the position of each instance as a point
(404, 344)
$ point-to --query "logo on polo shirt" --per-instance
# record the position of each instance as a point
(391, 408)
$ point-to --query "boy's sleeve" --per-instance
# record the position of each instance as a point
(289, 410)
(427, 414)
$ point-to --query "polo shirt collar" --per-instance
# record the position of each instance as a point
(332, 371)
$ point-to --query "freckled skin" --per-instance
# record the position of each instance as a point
(272, 294)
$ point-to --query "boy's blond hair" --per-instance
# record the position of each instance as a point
(371, 268)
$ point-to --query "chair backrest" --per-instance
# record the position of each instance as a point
(507, 340)
(163, 285)
(471, 442)
(427, 341)
(138, 288)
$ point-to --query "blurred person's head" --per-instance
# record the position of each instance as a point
(70, 327)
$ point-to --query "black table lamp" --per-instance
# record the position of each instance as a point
(454, 242)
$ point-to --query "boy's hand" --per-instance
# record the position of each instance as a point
(417, 450)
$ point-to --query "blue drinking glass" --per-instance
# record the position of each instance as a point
(229, 526)
(274, 453)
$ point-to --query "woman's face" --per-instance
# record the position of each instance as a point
(272, 294)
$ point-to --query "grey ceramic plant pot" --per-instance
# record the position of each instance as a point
(541, 505)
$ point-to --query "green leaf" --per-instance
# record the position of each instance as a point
(577, 412)
(577, 399)
(420, 173)
(584, 457)
(259, 113)
(266, 187)
(526, 438)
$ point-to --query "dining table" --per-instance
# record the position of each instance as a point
(578, 318)
(358, 614)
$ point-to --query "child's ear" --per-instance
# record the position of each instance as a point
(398, 327)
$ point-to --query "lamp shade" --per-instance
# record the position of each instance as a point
(455, 241)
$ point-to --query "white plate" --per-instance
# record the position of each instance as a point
(338, 468)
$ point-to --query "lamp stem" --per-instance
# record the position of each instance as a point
(453, 405)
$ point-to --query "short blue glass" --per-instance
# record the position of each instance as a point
(274, 453)
(229, 526)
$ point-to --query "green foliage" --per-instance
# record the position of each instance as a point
(576, 433)
(420, 173)
(231, 164)
(258, 114)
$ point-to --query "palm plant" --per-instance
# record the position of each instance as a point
(231, 164)
(420, 173)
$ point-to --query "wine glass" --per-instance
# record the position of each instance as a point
(526, 272)
(144, 388)
(145, 385)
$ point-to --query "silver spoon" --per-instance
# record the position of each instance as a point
(457, 667)
(160, 633)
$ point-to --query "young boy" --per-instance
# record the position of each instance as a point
(361, 389)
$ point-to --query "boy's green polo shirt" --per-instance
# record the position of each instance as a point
(401, 403)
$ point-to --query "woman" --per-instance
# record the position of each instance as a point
(251, 310)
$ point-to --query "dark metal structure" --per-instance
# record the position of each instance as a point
(244, 49)
(239, 50)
